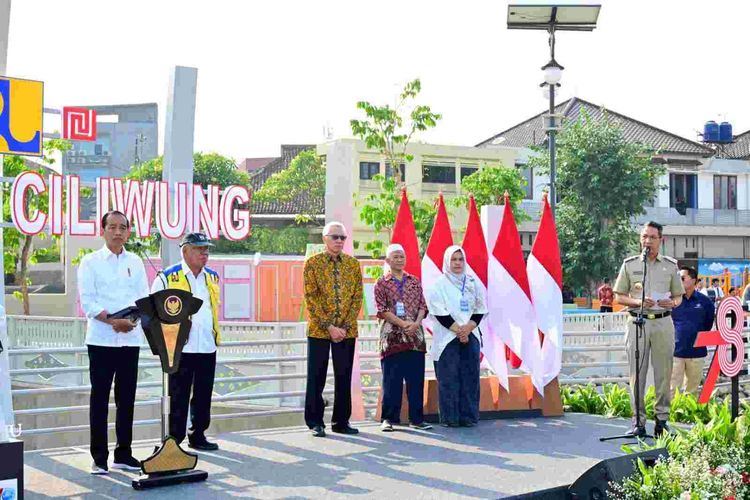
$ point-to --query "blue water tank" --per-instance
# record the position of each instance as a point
(711, 132)
(725, 132)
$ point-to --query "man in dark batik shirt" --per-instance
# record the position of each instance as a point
(401, 309)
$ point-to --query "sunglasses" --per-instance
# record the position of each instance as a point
(337, 237)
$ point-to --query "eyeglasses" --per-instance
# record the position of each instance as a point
(337, 237)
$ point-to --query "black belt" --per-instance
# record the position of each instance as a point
(664, 314)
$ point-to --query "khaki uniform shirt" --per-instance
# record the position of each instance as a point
(662, 275)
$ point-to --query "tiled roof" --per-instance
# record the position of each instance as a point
(302, 204)
(531, 132)
(740, 148)
(250, 165)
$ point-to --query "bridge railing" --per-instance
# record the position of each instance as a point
(261, 369)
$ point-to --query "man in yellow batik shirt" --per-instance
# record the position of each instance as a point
(333, 294)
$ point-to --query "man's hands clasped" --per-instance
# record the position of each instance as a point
(337, 334)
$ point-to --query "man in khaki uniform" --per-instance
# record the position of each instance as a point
(664, 292)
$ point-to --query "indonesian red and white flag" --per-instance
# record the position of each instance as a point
(477, 257)
(405, 234)
(545, 281)
(432, 262)
(511, 310)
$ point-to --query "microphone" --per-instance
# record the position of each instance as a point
(141, 246)
(646, 252)
(145, 254)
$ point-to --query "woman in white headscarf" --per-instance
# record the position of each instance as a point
(456, 305)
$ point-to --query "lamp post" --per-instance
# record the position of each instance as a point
(552, 18)
(552, 75)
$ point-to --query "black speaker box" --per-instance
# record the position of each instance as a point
(593, 484)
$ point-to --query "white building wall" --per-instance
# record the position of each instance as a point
(742, 192)
(705, 190)
(662, 197)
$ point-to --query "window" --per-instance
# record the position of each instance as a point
(725, 192)
(683, 192)
(527, 174)
(467, 170)
(368, 170)
(389, 171)
(439, 173)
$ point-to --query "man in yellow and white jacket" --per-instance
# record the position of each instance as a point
(198, 363)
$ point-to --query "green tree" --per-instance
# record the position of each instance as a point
(269, 240)
(306, 174)
(378, 210)
(603, 182)
(385, 130)
(19, 250)
(488, 186)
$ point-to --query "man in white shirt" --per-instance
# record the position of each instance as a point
(715, 293)
(198, 362)
(109, 280)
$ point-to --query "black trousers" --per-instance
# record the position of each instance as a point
(105, 365)
(405, 366)
(317, 368)
(197, 373)
(605, 309)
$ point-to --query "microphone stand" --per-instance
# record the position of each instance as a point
(640, 323)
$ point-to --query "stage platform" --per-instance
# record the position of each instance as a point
(496, 459)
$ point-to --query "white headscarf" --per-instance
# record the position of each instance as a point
(458, 279)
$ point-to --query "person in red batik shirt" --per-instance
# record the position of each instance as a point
(605, 297)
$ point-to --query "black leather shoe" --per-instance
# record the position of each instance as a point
(347, 429)
(660, 427)
(637, 431)
(318, 431)
(127, 463)
(203, 445)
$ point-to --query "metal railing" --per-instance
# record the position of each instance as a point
(261, 369)
(265, 367)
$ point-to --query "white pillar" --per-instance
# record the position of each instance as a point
(6, 401)
(178, 143)
(339, 192)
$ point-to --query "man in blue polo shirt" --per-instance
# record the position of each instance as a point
(695, 314)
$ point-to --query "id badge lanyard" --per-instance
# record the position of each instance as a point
(400, 309)
(464, 302)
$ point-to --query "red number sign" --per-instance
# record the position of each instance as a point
(725, 337)
(79, 124)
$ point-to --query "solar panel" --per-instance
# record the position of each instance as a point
(562, 17)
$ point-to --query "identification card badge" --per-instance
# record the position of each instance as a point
(400, 310)
(464, 305)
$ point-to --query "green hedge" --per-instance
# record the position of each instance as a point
(710, 459)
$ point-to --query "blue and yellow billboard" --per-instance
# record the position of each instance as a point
(21, 103)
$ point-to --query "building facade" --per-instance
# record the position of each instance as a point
(433, 169)
(127, 134)
(704, 202)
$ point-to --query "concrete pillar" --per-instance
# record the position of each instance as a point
(339, 187)
(6, 402)
(178, 143)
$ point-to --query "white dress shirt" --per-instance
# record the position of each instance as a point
(109, 282)
(201, 339)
